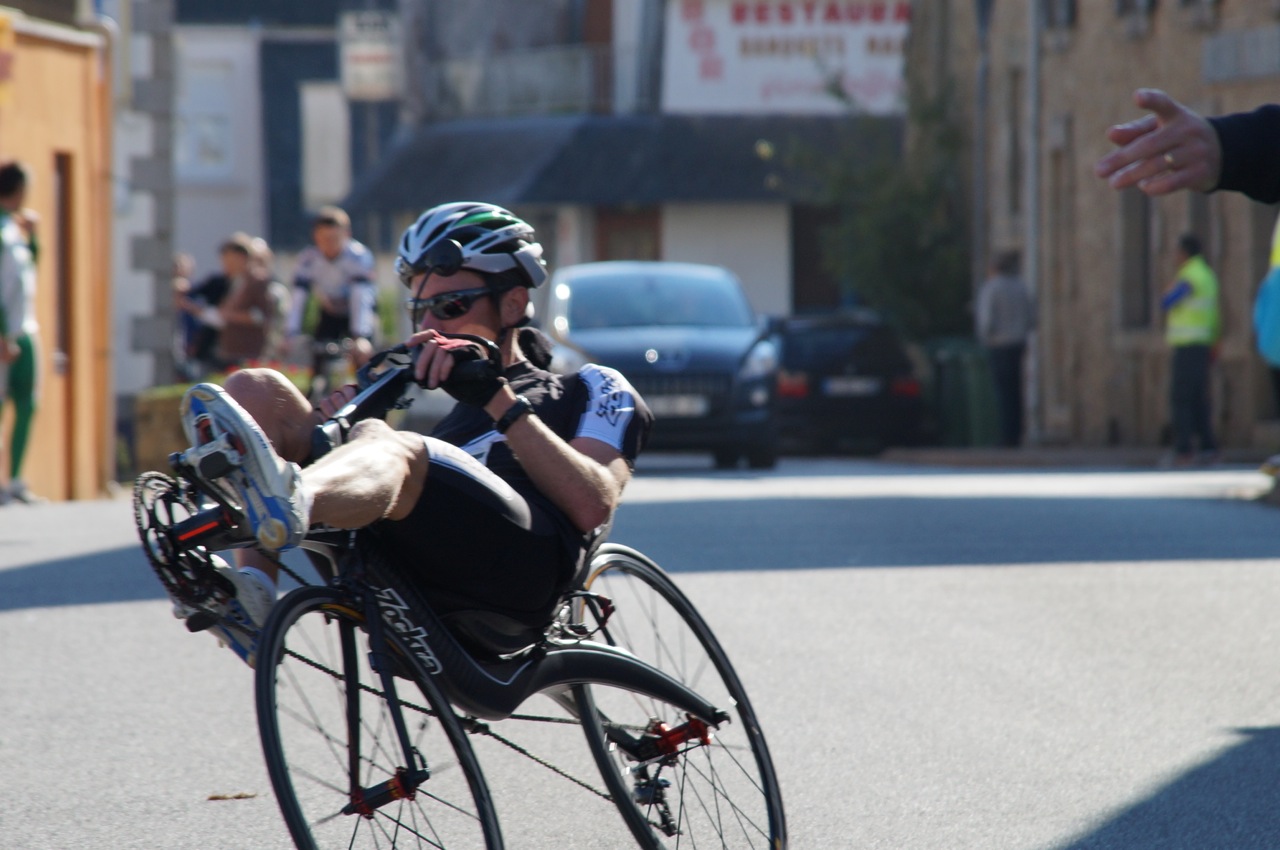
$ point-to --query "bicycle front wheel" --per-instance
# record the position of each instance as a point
(341, 775)
(676, 781)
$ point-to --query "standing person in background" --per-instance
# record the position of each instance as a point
(202, 301)
(279, 296)
(250, 315)
(1005, 318)
(19, 249)
(186, 327)
(338, 272)
(1192, 325)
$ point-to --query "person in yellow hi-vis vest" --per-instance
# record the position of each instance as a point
(1192, 326)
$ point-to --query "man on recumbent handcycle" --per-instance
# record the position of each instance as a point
(496, 509)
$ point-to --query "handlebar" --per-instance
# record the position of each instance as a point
(378, 392)
(380, 385)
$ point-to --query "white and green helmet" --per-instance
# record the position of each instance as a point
(468, 235)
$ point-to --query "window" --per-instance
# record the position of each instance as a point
(1015, 130)
(1125, 8)
(1198, 220)
(628, 234)
(1135, 259)
(204, 144)
(1059, 14)
(1136, 15)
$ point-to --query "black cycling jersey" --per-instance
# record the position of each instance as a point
(482, 535)
(595, 402)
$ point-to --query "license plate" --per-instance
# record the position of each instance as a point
(851, 386)
(678, 405)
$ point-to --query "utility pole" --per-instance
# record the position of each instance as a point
(981, 100)
(1031, 233)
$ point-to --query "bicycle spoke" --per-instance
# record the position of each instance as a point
(304, 715)
(673, 789)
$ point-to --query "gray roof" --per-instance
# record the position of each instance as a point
(613, 161)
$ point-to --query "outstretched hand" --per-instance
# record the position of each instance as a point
(1172, 148)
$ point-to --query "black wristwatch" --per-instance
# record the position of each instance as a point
(514, 412)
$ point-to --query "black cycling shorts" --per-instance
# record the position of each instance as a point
(473, 542)
(331, 327)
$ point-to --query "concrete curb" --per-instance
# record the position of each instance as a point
(1052, 457)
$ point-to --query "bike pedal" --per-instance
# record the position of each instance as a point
(214, 466)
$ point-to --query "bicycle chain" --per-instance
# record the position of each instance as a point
(483, 729)
(472, 725)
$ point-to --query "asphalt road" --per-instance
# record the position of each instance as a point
(940, 659)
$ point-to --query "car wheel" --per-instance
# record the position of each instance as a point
(762, 457)
(725, 459)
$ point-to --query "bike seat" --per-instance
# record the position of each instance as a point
(491, 633)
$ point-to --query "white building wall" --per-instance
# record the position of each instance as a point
(218, 156)
(752, 240)
(133, 290)
(628, 17)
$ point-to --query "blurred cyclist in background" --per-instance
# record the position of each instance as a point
(338, 272)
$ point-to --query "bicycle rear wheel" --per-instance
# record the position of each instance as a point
(676, 782)
(312, 651)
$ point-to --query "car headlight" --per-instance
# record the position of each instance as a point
(760, 362)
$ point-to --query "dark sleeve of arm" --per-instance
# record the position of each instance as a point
(1251, 152)
(1181, 290)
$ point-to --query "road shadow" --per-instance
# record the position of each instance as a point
(1229, 803)
(784, 534)
(113, 575)
(779, 534)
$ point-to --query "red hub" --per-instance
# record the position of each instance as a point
(669, 739)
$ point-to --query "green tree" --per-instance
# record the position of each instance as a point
(900, 240)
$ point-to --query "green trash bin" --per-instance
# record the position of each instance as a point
(963, 394)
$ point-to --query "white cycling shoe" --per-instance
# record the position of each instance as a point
(240, 624)
(229, 451)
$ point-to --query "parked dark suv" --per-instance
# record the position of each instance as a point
(686, 338)
(845, 383)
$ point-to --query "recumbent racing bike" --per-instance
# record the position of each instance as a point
(372, 707)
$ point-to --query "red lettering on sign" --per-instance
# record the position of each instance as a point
(692, 10)
(787, 12)
(711, 68)
(702, 38)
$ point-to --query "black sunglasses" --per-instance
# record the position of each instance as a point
(446, 305)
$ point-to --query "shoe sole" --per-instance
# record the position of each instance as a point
(266, 511)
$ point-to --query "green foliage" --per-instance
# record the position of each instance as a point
(900, 241)
(390, 307)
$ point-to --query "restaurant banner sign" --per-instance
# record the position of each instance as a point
(785, 56)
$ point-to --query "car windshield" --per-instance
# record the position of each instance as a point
(814, 346)
(873, 349)
(643, 300)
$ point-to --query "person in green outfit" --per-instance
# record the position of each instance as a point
(18, 327)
